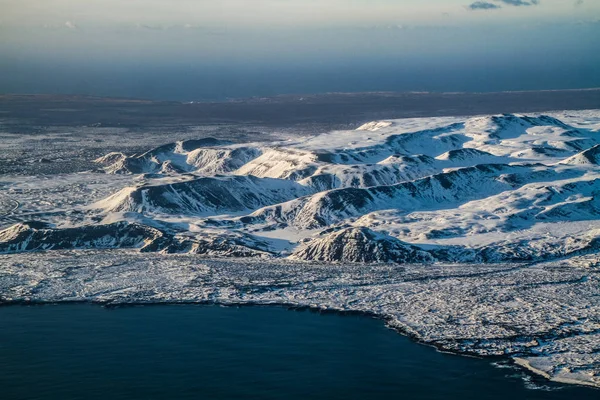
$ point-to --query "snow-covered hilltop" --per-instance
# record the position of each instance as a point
(482, 189)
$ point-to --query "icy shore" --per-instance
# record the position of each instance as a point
(545, 316)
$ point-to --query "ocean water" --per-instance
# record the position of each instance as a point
(81, 351)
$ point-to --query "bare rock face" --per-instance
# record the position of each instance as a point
(217, 245)
(361, 245)
(38, 236)
(35, 236)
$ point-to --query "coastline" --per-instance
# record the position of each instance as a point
(526, 363)
(401, 304)
(387, 320)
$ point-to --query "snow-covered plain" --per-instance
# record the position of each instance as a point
(477, 234)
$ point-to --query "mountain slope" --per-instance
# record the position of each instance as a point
(588, 157)
(448, 189)
(204, 196)
(35, 236)
(360, 245)
(492, 188)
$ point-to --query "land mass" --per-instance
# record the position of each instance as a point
(333, 110)
(478, 234)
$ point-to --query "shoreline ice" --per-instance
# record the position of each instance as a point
(545, 311)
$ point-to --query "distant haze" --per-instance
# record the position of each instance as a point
(202, 49)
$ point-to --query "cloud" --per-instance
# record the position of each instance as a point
(483, 5)
(520, 2)
(486, 5)
(152, 27)
(71, 25)
(578, 3)
(179, 28)
(67, 25)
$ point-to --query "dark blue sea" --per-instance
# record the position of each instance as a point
(89, 352)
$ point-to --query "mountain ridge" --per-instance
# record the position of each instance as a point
(446, 189)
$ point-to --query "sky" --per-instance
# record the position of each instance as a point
(215, 49)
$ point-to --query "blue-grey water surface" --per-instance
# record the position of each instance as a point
(81, 351)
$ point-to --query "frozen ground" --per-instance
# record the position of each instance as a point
(477, 234)
(546, 315)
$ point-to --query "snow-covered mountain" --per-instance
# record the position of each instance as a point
(481, 189)
(204, 195)
(35, 236)
(360, 245)
(590, 156)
